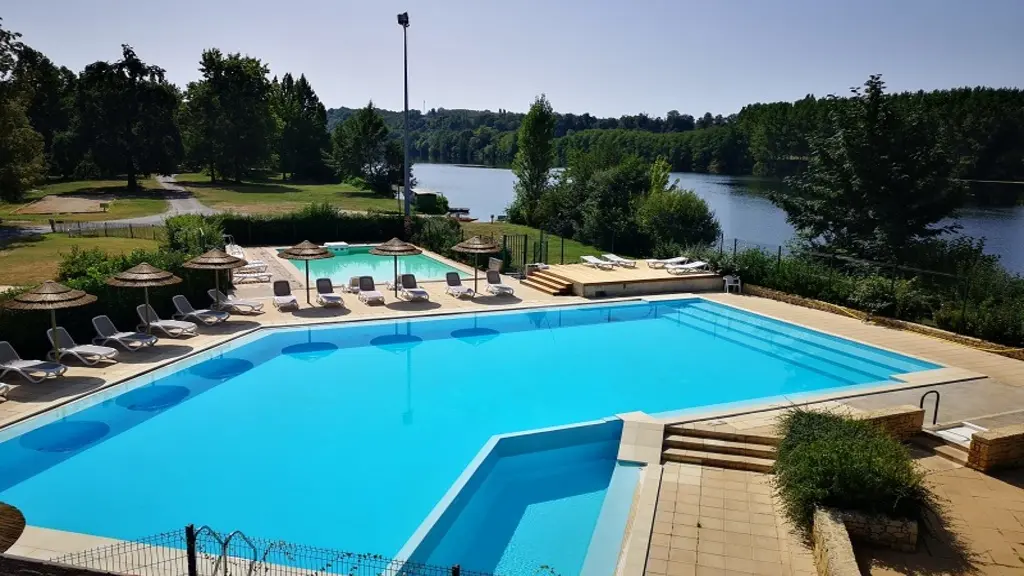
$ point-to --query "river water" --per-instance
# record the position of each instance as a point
(739, 204)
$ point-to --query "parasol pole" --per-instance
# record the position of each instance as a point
(145, 292)
(56, 339)
(216, 285)
(476, 271)
(396, 276)
(307, 284)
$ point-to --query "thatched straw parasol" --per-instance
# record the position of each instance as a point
(215, 260)
(395, 248)
(307, 251)
(50, 296)
(12, 524)
(143, 276)
(477, 245)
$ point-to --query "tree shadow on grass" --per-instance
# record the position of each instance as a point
(11, 238)
(245, 187)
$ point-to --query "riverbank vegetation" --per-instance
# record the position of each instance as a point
(981, 128)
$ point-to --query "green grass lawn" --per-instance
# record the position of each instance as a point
(573, 249)
(276, 196)
(126, 204)
(31, 260)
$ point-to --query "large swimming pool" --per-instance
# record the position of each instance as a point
(357, 261)
(346, 436)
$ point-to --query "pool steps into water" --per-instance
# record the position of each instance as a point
(836, 359)
(548, 283)
(689, 444)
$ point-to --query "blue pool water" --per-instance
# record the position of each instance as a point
(536, 497)
(357, 261)
(346, 436)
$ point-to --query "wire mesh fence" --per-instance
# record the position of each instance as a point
(108, 230)
(205, 552)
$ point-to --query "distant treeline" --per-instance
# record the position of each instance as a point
(983, 129)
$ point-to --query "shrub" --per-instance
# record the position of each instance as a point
(193, 234)
(88, 270)
(318, 223)
(439, 235)
(831, 461)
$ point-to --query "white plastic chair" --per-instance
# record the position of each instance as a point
(731, 282)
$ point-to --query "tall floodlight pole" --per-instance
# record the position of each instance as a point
(403, 21)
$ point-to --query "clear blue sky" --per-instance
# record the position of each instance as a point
(600, 56)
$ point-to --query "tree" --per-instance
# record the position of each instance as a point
(127, 119)
(533, 162)
(230, 126)
(303, 138)
(878, 180)
(21, 147)
(362, 148)
(673, 218)
(49, 95)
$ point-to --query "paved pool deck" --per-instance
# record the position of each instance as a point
(997, 396)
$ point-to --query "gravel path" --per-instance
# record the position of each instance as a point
(179, 200)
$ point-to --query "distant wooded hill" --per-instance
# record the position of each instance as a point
(983, 128)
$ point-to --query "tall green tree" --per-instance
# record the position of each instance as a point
(362, 148)
(230, 123)
(126, 119)
(21, 147)
(50, 98)
(534, 160)
(878, 179)
(673, 218)
(303, 139)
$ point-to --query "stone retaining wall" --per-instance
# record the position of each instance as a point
(833, 553)
(19, 566)
(900, 421)
(997, 448)
(889, 532)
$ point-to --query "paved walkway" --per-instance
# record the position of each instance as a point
(711, 522)
(179, 201)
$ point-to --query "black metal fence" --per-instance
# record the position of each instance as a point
(205, 552)
(108, 230)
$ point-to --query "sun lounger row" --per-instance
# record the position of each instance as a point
(678, 266)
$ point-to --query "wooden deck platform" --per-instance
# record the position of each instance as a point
(594, 283)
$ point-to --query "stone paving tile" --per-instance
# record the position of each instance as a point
(721, 535)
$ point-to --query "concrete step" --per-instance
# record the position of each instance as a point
(698, 431)
(728, 461)
(713, 446)
(545, 281)
(939, 446)
(541, 287)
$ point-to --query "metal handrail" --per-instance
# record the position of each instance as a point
(938, 397)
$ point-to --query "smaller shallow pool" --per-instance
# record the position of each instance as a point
(357, 261)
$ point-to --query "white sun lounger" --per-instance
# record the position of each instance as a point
(172, 328)
(32, 370)
(107, 333)
(455, 287)
(283, 297)
(691, 268)
(353, 285)
(411, 291)
(656, 263)
(89, 354)
(595, 262)
(222, 301)
(368, 292)
(619, 261)
(496, 286)
(246, 277)
(325, 293)
(251, 268)
(4, 389)
(187, 312)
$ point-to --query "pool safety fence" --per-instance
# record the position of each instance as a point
(77, 229)
(206, 552)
